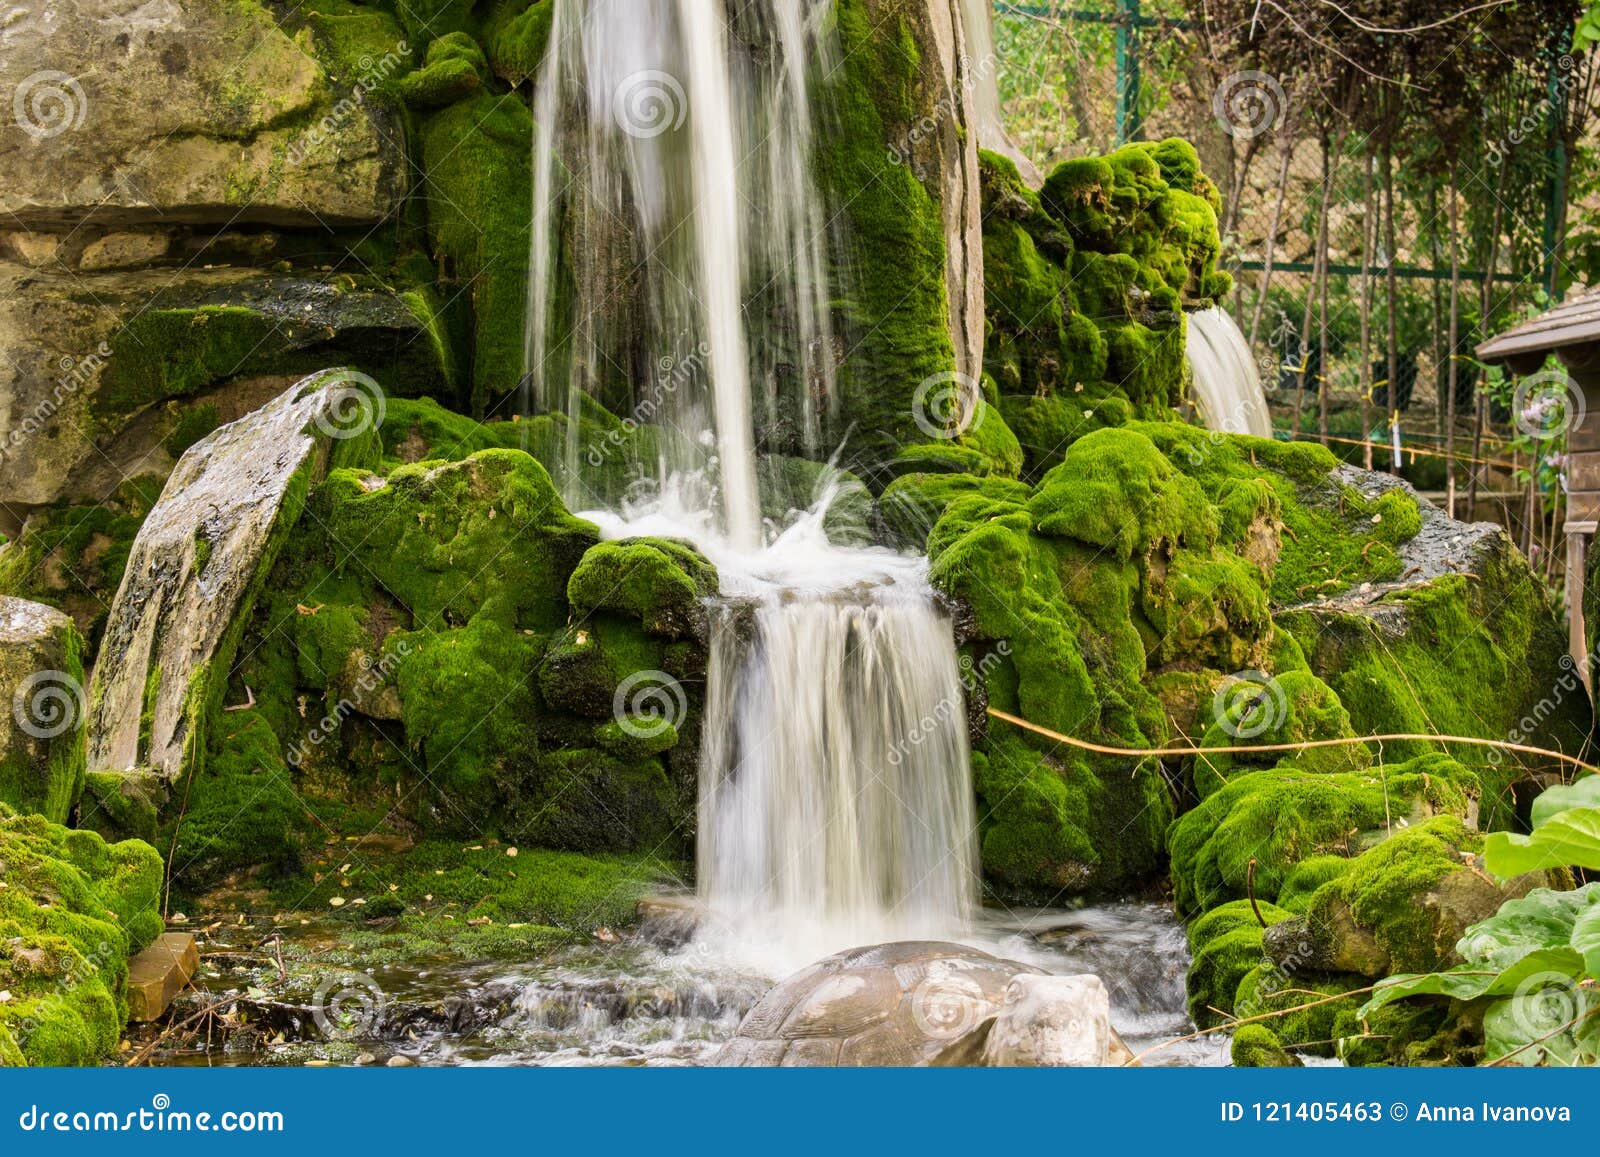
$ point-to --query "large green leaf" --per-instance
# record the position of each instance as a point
(1555, 800)
(1470, 982)
(1569, 838)
(1541, 919)
(1550, 1024)
(1586, 936)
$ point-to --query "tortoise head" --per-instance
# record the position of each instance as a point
(1051, 1020)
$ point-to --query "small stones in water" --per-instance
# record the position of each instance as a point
(399, 1061)
(366, 1059)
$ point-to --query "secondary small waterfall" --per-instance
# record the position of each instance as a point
(1227, 385)
(679, 276)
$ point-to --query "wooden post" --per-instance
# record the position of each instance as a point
(1578, 536)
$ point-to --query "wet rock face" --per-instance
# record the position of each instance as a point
(193, 571)
(41, 709)
(181, 111)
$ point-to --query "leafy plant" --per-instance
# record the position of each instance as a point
(1537, 960)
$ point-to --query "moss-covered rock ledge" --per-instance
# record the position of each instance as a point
(72, 910)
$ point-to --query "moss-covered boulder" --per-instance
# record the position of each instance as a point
(663, 582)
(42, 709)
(1085, 286)
(73, 909)
(1254, 830)
(1400, 907)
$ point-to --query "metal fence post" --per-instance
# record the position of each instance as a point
(1129, 22)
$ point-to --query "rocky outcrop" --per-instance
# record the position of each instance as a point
(199, 560)
(111, 376)
(135, 112)
(41, 709)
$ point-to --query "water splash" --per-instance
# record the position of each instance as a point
(1227, 385)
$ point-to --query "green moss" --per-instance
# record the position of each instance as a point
(1255, 1046)
(72, 910)
(889, 279)
(1276, 818)
(660, 581)
(478, 187)
(193, 423)
(240, 811)
(1295, 707)
(516, 33)
(1116, 491)
(72, 557)
(454, 67)
(1384, 915)
(1475, 656)
(1225, 944)
(912, 503)
(1268, 989)
(122, 805)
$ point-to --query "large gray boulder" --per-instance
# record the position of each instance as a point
(95, 371)
(198, 560)
(41, 709)
(182, 111)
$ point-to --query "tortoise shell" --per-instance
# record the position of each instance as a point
(886, 1004)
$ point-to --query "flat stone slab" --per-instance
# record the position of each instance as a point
(159, 973)
(193, 569)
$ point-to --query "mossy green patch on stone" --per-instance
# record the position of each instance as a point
(72, 910)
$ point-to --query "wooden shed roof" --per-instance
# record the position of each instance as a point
(1575, 321)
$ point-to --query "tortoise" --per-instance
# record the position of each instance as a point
(923, 1002)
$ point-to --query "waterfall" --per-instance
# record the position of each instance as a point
(678, 275)
(678, 242)
(1227, 385)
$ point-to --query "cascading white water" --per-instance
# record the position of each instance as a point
(674, 211)
(1227, 385)
(835, 800)
(678, 244)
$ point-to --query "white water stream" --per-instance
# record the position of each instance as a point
(675, 141)
(1227, 385)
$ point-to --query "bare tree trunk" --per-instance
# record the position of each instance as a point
(1391, 392)
(1481, 408)
(1369, 237)
(1455, 339)
(1322, 288)
(1272, 235)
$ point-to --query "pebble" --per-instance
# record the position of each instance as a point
(366, 1059)
(400, 1062)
